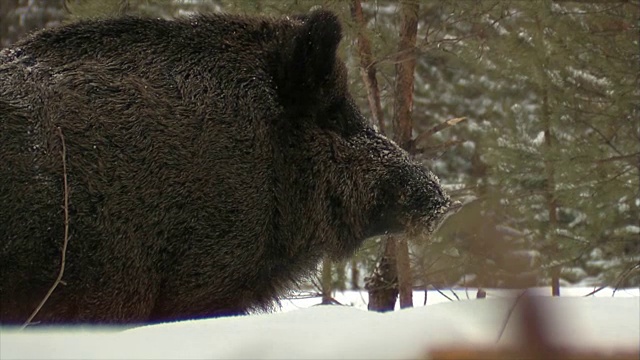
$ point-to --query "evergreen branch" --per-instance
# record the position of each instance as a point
(617, 158)
(440, 147)
(593, 1)
(606, 139)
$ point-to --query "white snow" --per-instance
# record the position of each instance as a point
(539, 139)
(629, 229)
(301, 331)
(590, 78)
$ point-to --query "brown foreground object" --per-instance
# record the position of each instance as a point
(534, 344)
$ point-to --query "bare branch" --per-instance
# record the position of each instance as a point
(437, 148)
(596, 291)
(622, 277)
(427, 134)
(443, 294)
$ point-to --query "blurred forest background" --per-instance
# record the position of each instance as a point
(528, 111)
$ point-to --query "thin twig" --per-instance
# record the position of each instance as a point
(625, 274)
(619, 280)
(424, 303)
(596, 290)
(332, 301)
(454, 294)
(66, 233)
(441, 293)
(506, 321)
(464, 283)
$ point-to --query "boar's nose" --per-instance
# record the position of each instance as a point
(454, 207)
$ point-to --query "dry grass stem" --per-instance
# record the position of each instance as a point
(66, 233)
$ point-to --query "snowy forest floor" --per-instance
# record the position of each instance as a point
(603, 323)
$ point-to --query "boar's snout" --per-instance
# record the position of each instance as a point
(452, 208)
(426, 203)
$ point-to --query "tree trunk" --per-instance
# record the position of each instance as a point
(367, 66)
(326, 282)
(355, 275)
(394, 268)
(405, 278)
(403, 125)
(20, 17)
(341, 273)
(382, 285)
(636, 115)
(481, 294)
(549, 166)
(405, 68)
(6, 22)
(555, 281)
(552, 206)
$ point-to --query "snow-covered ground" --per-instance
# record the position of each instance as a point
(601, 322)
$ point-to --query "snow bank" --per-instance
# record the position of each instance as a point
(340, 332)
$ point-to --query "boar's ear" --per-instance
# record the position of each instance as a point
(311, 58)
(315, 47)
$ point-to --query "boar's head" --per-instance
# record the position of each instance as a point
(363, 182)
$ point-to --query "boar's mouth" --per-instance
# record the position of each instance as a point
(430, 223)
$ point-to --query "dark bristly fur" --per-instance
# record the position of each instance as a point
(212, 161)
